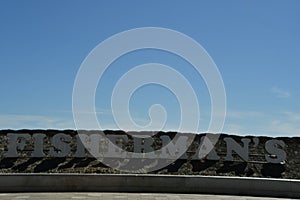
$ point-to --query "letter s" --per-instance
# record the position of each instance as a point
(271, 147)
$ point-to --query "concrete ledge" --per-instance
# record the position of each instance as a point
(149, 183)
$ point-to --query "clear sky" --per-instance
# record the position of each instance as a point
(255, 44)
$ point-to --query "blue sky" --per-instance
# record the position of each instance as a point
(255, 45)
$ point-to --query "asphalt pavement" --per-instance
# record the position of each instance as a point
(123, 196)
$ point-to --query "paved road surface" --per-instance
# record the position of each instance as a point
(123, 196)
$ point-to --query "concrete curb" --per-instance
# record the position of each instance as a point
(149, 183)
